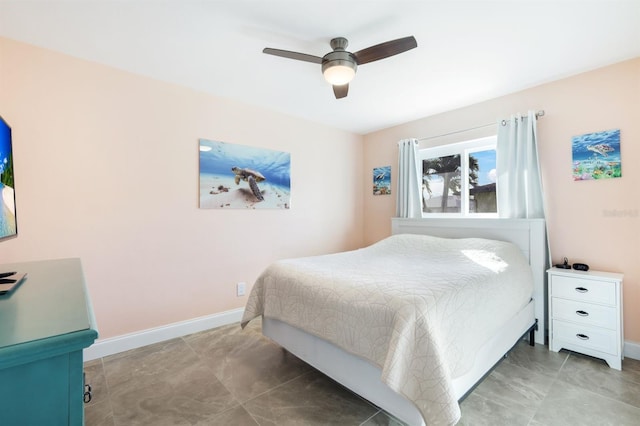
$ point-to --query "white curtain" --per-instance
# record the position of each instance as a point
(408, 202)
(519, 181)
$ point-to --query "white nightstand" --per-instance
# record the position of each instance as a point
(585, 313)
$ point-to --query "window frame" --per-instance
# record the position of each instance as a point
(464, 149)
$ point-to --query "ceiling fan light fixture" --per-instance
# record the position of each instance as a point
(339, 72)
(339, 66)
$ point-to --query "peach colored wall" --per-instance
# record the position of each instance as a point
(595, 222)
(106, 169)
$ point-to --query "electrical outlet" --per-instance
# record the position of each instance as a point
(240, 288)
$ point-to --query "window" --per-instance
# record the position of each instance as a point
(460, 179)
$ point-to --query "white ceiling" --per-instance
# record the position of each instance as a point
(468, 51)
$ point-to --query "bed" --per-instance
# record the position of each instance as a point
(373, 326)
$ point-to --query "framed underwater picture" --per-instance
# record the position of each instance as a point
(596, 155)
(243, 177)
(382, 180)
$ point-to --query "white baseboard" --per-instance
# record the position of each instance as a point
(632, 350)
(114, 345)
(150, 336)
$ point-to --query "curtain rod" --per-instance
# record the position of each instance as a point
(503, 122)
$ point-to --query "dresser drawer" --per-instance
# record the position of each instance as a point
(584, 290)
(585, 313)
(578, 336)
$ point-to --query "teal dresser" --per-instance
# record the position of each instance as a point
(45, 323)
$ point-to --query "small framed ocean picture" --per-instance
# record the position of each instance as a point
(243, 177)
(596, 155)
(382, 180)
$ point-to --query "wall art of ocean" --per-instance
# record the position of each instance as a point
(240, 176)
(382, 180)
(596, 155)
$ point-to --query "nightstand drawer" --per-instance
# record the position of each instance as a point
(586, 337)
(585, 313)
(584, 290)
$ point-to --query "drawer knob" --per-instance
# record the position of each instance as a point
(582, 336)
(582, 289)
(582, 313)
(86, 397)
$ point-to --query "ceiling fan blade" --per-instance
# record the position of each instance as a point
(341, 91)
(384, 50)
(293, 55)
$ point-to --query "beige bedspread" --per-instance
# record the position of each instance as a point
(417, 306)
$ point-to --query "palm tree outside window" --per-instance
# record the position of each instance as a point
(460, 179)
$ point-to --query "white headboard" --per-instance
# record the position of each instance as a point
(527, 234)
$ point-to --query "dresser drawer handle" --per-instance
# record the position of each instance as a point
(582, 336)
(582, 313)
(86, 397)
(582, 289)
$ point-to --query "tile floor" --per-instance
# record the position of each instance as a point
(229, 376)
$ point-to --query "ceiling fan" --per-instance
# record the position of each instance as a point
(339, 66)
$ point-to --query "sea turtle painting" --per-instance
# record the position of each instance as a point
(250, 176)
(266, 174)
(602, 149)
(596, 155)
